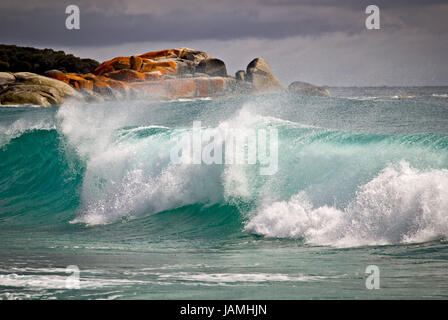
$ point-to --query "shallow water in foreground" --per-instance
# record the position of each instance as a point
(362, 180)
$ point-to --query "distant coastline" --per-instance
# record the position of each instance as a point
(27, 77)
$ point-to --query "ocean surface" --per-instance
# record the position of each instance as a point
(362, 180)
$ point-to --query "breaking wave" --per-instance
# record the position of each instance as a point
(103, 163)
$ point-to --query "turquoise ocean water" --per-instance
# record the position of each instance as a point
(362, 180)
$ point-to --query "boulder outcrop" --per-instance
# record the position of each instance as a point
(6, 78)
(259, 73)
(30, 88)
(183, 72)
(212, 67)
(240, 75)
(307, 89)
(164, 74)
(172, 61)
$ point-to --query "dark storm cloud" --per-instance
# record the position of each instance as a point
(97, 29)
(318, 41)
(114, 22)
(101, 29)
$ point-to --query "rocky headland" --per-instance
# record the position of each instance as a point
(165, 74)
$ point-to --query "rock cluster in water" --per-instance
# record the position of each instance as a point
(31, 88)
(166, 74)
(307, 89)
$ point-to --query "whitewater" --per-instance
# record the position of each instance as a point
(362, 179)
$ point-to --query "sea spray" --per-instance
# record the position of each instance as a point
(366, 173)
(400, 205)
(231, 147)
(130, 173)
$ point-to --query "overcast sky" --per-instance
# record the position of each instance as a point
(324, 42)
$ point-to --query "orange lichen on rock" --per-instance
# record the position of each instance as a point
(136, 63)
(165, 67)
(166, 73)
(112, 65)
(100, 84)
(116, 85)
(89, 81)
(73, 79)
(162, 54)
(147, 62)
(84, 84)
(127, 75)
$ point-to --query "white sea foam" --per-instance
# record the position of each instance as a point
(131, 177)
(364, 98)
(56, 281)
(239, 277)
(192, 99)
(402, 204)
